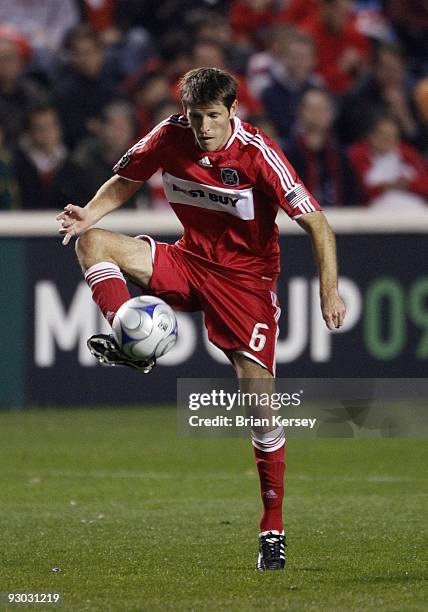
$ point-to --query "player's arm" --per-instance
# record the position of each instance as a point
(279, 181)
(324, 247)
(75, 220)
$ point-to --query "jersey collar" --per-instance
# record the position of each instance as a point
(236, 124)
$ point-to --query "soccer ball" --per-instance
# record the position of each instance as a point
(145, 327)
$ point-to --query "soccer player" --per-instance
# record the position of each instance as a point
(225, 180)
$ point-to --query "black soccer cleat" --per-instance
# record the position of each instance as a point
(105, 348)
(271, 551)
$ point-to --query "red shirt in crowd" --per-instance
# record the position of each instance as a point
(330, 48)
(409, 165)
(247, 22)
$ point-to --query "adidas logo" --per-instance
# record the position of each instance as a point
(271, 494)
(205, 161)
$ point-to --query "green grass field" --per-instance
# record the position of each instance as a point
(138, 519)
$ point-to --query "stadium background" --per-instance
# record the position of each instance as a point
(386, 334)
(88, 493)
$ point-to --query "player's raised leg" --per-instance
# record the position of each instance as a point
(105, 257)
(269, 451)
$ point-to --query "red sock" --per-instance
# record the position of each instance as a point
(108, 286)
(271, 468)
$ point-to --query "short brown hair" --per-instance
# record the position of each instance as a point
(203, 86)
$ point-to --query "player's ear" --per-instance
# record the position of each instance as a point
(233, 109)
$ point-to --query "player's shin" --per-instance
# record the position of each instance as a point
(108, 286)
(269, 451)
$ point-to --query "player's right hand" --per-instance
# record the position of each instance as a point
(74, 220)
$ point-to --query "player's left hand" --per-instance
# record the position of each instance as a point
(333, 309)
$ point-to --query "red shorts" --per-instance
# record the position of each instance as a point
(241, 310)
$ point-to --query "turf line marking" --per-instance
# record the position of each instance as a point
(123, 475)
(136, 475)
(371, 478)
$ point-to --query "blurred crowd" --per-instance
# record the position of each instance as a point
(342, 86)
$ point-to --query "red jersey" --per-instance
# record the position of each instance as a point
(226, 200)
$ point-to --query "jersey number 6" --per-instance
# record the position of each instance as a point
(258, 340)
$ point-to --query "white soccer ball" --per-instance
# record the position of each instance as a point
(145, 327)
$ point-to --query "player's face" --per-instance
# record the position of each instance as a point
(211, 124)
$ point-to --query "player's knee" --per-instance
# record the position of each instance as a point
(92, 244)
(88, 241)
